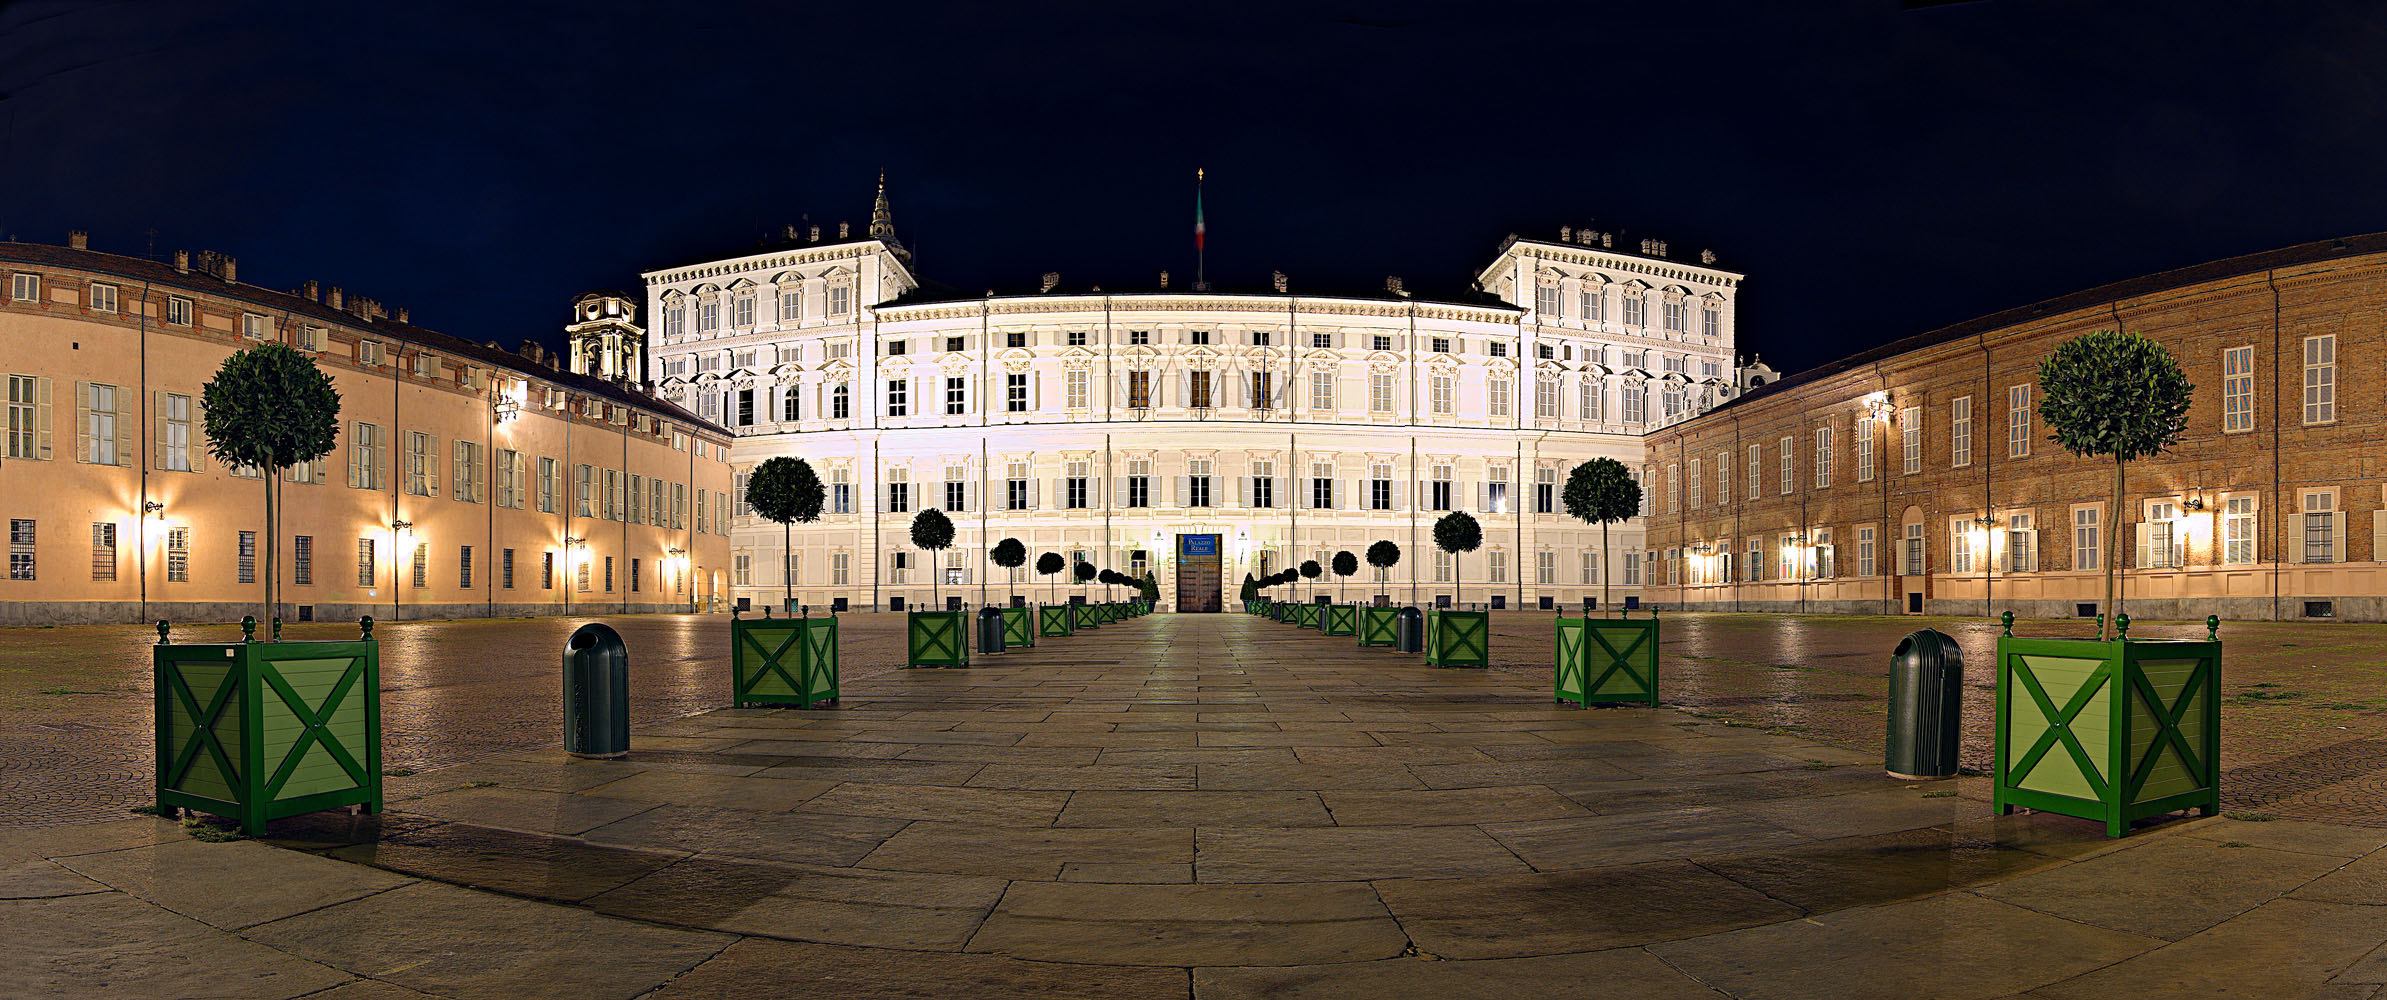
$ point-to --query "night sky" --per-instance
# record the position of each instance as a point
(1875, 172)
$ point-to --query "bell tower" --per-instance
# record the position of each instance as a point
(606, 340)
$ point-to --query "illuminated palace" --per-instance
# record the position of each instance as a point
(1199, 434)
(467, 481)
(1918, 477)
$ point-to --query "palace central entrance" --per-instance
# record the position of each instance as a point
(1199, 574)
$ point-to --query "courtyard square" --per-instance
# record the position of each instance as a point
(1214, 806)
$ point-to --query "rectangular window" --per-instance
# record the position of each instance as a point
(1697, 482)
(584, 490)
(1724, 477)
(27, 418)
(549, 480)
(1545, 302)
(422, 564)
(791, 306)
(1960, 432)
(1077, 383)
(789, 405)
(101, 424)
(1545, 489)
(2238, 531)
(708, 315)
(1960, 545)
(20, 548)
(581, 576)
(1442, 563)
(1911, 425)
(841, 300)
(1636, 403)
(1322, 389)
(1865, 449)
(956, 395)
(366, 576)
(1321, 486)
(1139, 390)
(1139, 482)
(103, 298)
(1756, 475)
(1671, 314)
(1865, 561)
(898, 397)
(2085, 539)
(1498, 390)
(464, 566)
(247, 567)
(2018, 421)
(899, 492)
(1380, 486)
(609, 574)
(1441, 345)
(546, 571)
(1380, 342)
(254, 326)
(1632, 568)
(1545, 567)
(505, 569)
(741, 310)
(1263, 390)
(417, 474)
(2320, 379)
(1915, 560)
(1711, 321)
(178, 555)
(2320, 527)
(1545, 398)
(1015, 393)
(302, 560)
(2022, 544)
(1263, 491)
(1633, 306)
(2159, 542)
(1590, 303)
(178, 311)
(1380, 392)
(634, 573)
(840, 403)
(2237, 389)
(1197, 390)
(1442, 392)
(1439, 488)
(1823, 457)
(1789, 461)
(174, 432)
(1197, 482)
(24, 288)
(468, 472)
(1594, 401)
(1496, 564)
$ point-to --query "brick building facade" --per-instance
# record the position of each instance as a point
(1918, 477)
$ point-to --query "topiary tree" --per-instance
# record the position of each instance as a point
(1107, 577)
(1457, 533)
(1084, 572)
(933, 531)
(1344, 565)
(1310, 570)
(1047, 565)
(2118, 394)
(1602, 492)
(1011, 555)
(784, 491)
(1384, 555)
(269, 408)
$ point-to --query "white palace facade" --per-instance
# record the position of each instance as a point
(1198, 434)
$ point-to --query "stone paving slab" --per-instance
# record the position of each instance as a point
(112, 945)
(1093, 818)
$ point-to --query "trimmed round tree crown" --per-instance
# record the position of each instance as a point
(785, 491)
(1457, 532)
(932, 530)
(1050, 563)
(1010, 554)
(1345, 564)
(2116, 395)
(1083, 571)
(1383, 554)
(269, 407)
(1601, 491)
(1309, 569)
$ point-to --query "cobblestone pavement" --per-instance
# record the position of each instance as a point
(1205, 807)
(2304, 724)
(75, 710)
(2303, 719)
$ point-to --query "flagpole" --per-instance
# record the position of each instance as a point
(1201, 251)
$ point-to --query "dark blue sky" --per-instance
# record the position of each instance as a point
(1876, 172)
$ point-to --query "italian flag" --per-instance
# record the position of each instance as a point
(1198, 210)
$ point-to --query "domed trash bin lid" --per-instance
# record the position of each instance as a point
(1926, 706)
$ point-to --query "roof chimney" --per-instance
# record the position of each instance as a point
(1052, 280)
(842, 231)
(78, 239)
(311, 289)
(1607, 240)
(816, 234)
(1707, 256)
(230, 271)
(1277, 277)
(1164, 279)
(789, 234)
(1566, 234)
(401, 314)
(1392, 283)
(334, 299)
(182, 261)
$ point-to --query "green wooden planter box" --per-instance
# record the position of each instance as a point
(1084, 616)
(782, 661)
(1339, 619)
(1284, 611)
(1019, 628)
(1607, 660)
(256, 731)
(1055, 619)
(937, 639)
(1379, 626)
(2114, 730)
(1458, 638)
(1305, 615)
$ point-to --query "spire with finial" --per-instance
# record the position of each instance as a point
(882, 221)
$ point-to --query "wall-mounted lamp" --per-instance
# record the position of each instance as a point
(1986, 520)
(2193, 503)
(401, 527)
(152, 507)
(1877, 405)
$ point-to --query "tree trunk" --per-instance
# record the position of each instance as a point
(267, 621)
(2113, 552)
(1606, 602)
(786, 558)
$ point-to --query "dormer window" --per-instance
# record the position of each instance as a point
(252, 326)
(103, 298)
